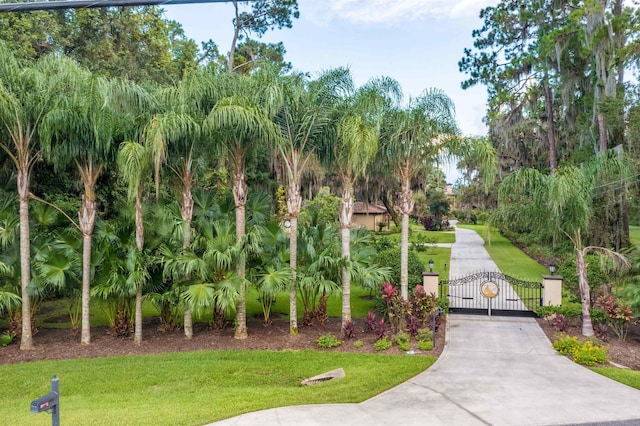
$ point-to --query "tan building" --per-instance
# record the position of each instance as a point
(369, 215)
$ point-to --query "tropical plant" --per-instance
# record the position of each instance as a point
(80, 132)
(240, 120)
(27, 93)
(358, 118)
(565, 200)
(302, 118)
(413, 139)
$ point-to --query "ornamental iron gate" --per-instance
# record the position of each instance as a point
(493, 293)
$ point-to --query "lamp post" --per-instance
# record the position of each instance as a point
(552, 268)
(431, 265)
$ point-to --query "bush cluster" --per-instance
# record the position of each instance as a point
(587, 353)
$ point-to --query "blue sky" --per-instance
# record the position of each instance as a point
(417, 42)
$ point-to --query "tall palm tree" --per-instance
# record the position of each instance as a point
(27, 93)
(302, 120)
(243, 128)
(172, 135)
(354, 146)
(81, 132)
(133, 165)
(412, 140)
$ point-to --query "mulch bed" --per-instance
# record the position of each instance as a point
(55, 344)
(621, 352)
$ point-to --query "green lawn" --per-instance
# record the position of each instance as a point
(441, 260)
(634, 235)
(628, 377)
(509, 259)
(192, 388)
(428, 237)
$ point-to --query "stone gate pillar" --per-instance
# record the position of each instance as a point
(430, 281)
(551, 290)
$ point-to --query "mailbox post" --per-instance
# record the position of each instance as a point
(49, 402)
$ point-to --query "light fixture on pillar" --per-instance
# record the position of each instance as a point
(552, 268)
(431, 265)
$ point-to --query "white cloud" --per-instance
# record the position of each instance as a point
(390, 11)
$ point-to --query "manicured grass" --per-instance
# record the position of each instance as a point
(441, 260)
(430, 237)
(509, 259)
(628, 377)
(192, 388)
(634, 235)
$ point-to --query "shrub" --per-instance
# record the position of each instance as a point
(348, 330)
(589, 354)
(546, 311)
(425, 335)
(391, 259)
(598, 316)
(566, 344)
(560, 322)
(403, 341)
(6, 338)
(371, 322)
(328, 341)
(618, 314)
(358, 344)
(425, 345)
(382, 344)
(586, 353)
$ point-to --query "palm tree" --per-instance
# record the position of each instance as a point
(171, 136)
(26, 95)
(359, 118)
(243, 129)
(412, 140)
(133, 164)
(80, 132)
(565, 199)
(302, 119)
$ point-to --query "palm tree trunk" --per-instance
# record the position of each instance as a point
(187, 215)
(405, 205)
(294, 203)
(87, 220)
(585, 294)
(26, 339)
(240, 198)
(85, 334)
(293, 261)
(346, 212)
(137, 336)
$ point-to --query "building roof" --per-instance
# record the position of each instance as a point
(360, 208)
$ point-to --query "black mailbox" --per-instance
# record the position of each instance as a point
(45, 403)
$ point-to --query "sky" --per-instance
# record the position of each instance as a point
(416, 42)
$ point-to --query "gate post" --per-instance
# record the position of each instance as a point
(430, 282)
(551, 290)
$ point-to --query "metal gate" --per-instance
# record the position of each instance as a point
(492, 293)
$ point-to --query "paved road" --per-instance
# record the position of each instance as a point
(493, 371)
